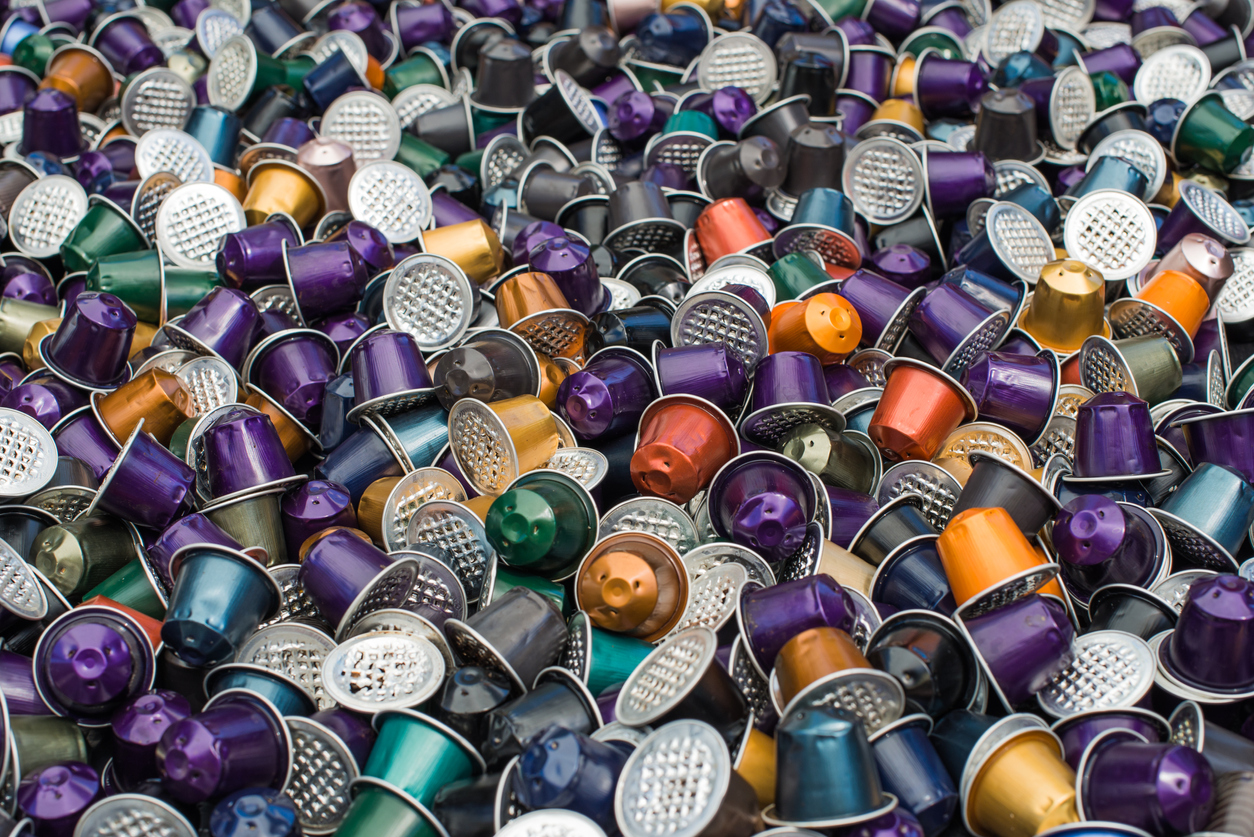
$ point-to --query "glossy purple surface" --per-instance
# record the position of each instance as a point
(788, 377)
(944, 318)
(243, 450)
(227, 747)
(773, 615)
(607, 397)
(386, 363)
(1162, 788)
(93, 341)
(55, 796)
(570, 263)
(295, 372)
(708, 371)
(253, 257)
(1209, 647)
(326, 277)
(50, 124)
(876, 299)
(337, 568)
(312, 507)
(1024, 644)
(1012, 390)
(148, 485)
(227, 321)
(1114, 437)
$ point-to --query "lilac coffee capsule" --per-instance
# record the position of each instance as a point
(293, 368)
(570, 263)
(389, 375)
(312, 508)
(955, 180)
(707, 371)
(187, 530)
(954, 327)
(763, 501)
(325, 277)
(945, 87)
(253, 257)
(50, 124)
(770, 616)
(883, 306)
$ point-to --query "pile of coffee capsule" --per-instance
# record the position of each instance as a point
(626, 418)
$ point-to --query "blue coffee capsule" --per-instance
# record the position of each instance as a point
(1110, 172)
(289, 696)
(218, 130)
(331, 79)
(911, 577)
(911, 770)
(220, 596)
(255, 812)
(562, 768)
(359, 460)
(415, 436)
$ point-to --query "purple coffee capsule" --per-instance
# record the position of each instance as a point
(1101, 542)
(532, 236)
(415, 24)
(253, 257)
(224, 324)
(908, 266)
(50, 124)
(883, 306)
(90, 661)
(238, 741)
(187, 530)
(82, 436)
(325, 277)
(1114, 439)
(1204, 652)
(954, 327)
(956, 179)
(570, 263)
(1023, 645)
(606, 398)
(312, 508)
(946, 87)
(124, 41)
(293, 367)
(348, 578)
(90, 347)
(1078, 731)
(389, 375)
(147, 485)
(55, 797)
(1016, 391)
(137, 727)
(707, 371)
(770, 616)
(763, 501)
(243, 453)
(1161, 788)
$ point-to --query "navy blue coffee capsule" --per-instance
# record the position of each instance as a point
(557, 699)
(911, 770)
(912, 577)
(562, 768)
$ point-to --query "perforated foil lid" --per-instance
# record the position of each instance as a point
(156, 98)
(884, 179)
(28, 455)
(436, 589)
(674, 783)
(714, 597)
(1111, 669)
(736, 270)
(933, 484)
(214, 27)
(482, 447)
(148, 197)
(430, 298)
(653, 516)
(66, 502)
(719, 317)
(21, 594)
(366, 123)
(165, 149)
(44, 214)
(501, 156)
(341, 40)
(1068, 14)
(414, 101)
(414, 490)
(1177, 72)
(753, 686)
(192, 220)
(1019, 240)
(584, 465)
(132, 815)
(1103, 368)
(392, 198)
(1057, 438)
(1194, 546)
(211, 383)
(296, 606)
(232, 73)
(1141, 150)
(664, 678)
(874, 697)
(986, 437)
(322, 770)
(1015, 27)
(1007, 591)
(382, 670)
(1236, 300)
(555, 822)
(455, 529)
(738, 60)
(294, 650)
(1215, 212)
(1111, 231)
